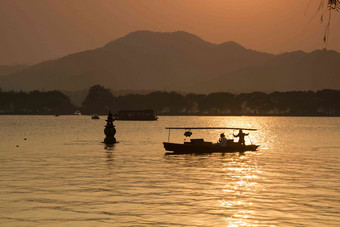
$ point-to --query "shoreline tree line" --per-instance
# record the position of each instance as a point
(100, 100)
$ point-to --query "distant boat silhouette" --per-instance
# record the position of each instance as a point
(95, 116)
(136, 115)
(77, 112)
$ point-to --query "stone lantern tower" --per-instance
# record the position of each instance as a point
(110, 130)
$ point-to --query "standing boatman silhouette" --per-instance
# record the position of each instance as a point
(241, 136)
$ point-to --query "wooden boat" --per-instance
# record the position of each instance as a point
(199, 146)
(77, 112)
(136, 115)
(96, 117)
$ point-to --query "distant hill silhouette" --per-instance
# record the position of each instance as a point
(290, 71)
(180, 61)
(10, 69)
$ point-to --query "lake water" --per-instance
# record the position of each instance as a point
(63, 176)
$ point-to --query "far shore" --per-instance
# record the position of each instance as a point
(176, 115)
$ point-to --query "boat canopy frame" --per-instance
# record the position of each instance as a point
(191, 128)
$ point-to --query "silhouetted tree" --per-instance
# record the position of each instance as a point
(194, 103)
(133, 101)
(165, 102)
(330, 5)
(99, 101)
(35, 102)
(218, 103)
(330, 101)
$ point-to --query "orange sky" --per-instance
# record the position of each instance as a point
(35, 30)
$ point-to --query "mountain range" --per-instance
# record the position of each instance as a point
(179, 61)
(10, 69)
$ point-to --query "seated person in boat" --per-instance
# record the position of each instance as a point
(241, 136)
(222, 140)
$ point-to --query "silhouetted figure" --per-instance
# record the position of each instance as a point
(222, 140)
(109, 130)
(241, 136)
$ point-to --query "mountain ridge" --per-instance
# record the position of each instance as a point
(10, 69)
(179, 61)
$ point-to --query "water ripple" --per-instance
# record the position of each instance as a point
(67, 177)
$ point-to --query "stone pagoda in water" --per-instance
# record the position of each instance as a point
(110, 130)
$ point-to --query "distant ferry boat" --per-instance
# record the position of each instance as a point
(95, 116)
(77, 112)
(136, 115)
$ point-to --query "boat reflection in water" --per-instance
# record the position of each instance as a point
(199, 146)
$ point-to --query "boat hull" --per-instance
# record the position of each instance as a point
(177, 148)
(135, 119)
(136, 115)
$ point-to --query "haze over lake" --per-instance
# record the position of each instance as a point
(62, 175)
(272, 65)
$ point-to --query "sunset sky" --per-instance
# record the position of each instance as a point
(35, 30)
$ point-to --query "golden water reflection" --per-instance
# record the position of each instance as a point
(240, 185)
(294, 182)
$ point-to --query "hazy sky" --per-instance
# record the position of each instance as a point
(35, 30)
